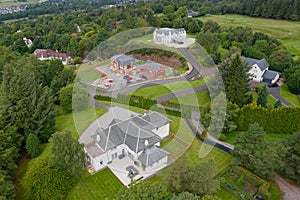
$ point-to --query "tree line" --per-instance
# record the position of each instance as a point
(29, 94)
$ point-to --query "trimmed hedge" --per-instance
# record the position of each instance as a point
(141, 102)
(282, 120)
(262, 185)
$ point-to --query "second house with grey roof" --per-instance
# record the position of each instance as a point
(259, 71)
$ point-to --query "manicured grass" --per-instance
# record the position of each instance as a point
(287, 32)
(275, 191)
(230, 137)
(79, 121)
(195, 100)
(224, 194)
(89, 75)
(63, 122)
(8, 3)
(270, 137)
(160, 90)
(102, 185)
(287, 95)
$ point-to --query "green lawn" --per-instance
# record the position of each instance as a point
(63, 122)
(89, 75)
(195, 100)
(287, 95)
(102, 185)
(230, 137)
(275, 191)
(287, 32)
(8, 3)
(83, 120)
(160, 90)
(224, 194)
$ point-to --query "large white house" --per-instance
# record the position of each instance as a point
(259, 71)
(121, 133)
(169, 35)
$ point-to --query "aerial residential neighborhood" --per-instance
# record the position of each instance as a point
(150, 100)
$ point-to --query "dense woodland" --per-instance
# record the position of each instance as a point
(30, 90)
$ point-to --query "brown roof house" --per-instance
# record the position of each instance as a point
(48, 54)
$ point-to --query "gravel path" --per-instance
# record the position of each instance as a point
(290, 191)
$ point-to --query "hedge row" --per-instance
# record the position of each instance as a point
(274, 121)
(140, 102)
(251, 178)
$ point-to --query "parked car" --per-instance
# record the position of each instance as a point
(272, 85)
(128, 78)
(125, 77)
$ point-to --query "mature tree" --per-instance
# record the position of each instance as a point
(6, 187)
(203, 182)
(66, 77)
(235, 78)
(182, 12)
(269, 158)
(262, 98)
(6, 57)
(54, 68)
(250, 98)
(293, 79)
(144, 191)
(292, 158)
(247, 144)
(262, 158)
(185, 196)
(211, 26)
(277, 104)
(231, 118)
(25, 104)
(33, 145)
(197, 180)
(280, 60)
(43, 181)
(65, 98)
(10, 144)
(73, 97)
(209, 41)
(67, 153)
(80, 98)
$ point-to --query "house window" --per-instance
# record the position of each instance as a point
(114, 156)
(101, 162)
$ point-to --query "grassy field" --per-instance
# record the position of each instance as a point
(285, 31)
(195, 100)
(230, 137)
(287, 95)
(89, 75)
(83, 120)
(102, 185)
(160, 90)
(8, 3)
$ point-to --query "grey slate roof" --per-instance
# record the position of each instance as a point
(124, 60)
(270, 75)
(132, 132)
(153, 65)
(167, 30)
(156, 119)
(152, 155)
(262, 64)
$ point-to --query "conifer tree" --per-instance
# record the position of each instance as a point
(235, 78)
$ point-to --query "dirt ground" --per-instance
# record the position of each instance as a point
(290, 191)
